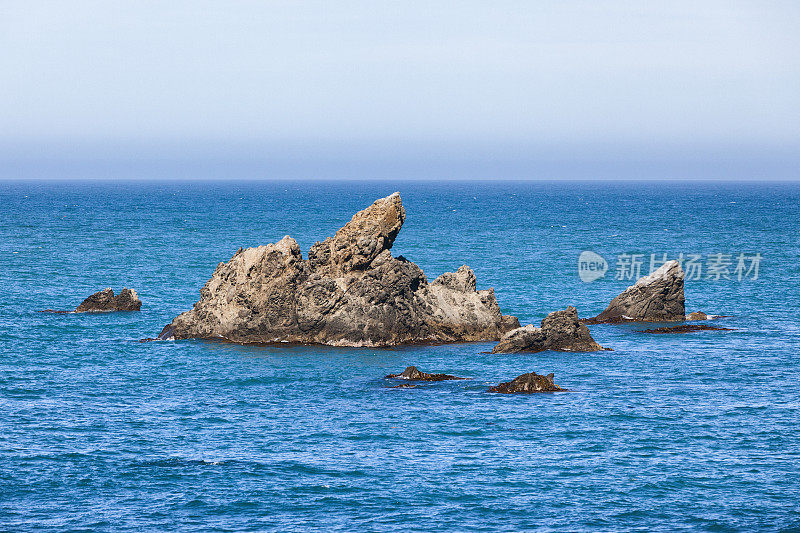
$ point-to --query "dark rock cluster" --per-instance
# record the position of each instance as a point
(560, 331)
(528, 383)
(105, 301)
(412, 373)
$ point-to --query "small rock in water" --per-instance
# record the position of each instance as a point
(684, 328)
(528, 383)
(412, 373)
(104, 301)
(560, 331)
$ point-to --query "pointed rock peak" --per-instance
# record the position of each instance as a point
(569, 314)
(394, 197)
(369, 232)
(129, 293)
(462, 280)
(654, 298)
(670, 269)
(383, 218)
(288, 246)
(411, 372)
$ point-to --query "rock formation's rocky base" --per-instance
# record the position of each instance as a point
(684, 328)
(560, 331)
(349, 292)
(528, 383)
(105, 301)
(412, 373)
(654, 298)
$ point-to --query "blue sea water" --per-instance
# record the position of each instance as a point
(667, 432)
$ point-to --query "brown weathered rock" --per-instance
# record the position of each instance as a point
(350, 292)
(697, 315)
(654, 298)
(560, 331)
(412, 373)
(104, 301)
(528, 383)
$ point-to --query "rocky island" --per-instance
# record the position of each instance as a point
(350, 291)
(528, 383)
(654, 298)
(412, 373)
(105, 301)
(560, 331)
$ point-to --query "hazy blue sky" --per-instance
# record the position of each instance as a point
(491, 89)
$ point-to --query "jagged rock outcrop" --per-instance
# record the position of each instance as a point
(528, 383)
(561, 331)
(104, 301)
(412, 373)
(654, 298)
(350, 291)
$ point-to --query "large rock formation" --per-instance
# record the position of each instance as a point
(560, 331)
(412, 373)
(104, 301)
(349, 292)
(527, 383)
(654, 298)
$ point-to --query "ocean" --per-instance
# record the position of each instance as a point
(99, 432)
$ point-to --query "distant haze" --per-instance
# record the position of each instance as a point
(376, 89)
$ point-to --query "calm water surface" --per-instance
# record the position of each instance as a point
(100, 432)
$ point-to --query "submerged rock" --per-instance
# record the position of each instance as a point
(104, 301)
(685, 328)
(412, 373)
(528, 383)
(350, 291)
(560, 331)
(654, 298)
